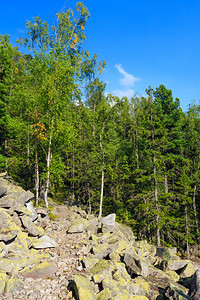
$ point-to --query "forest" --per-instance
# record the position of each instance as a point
(62, 136)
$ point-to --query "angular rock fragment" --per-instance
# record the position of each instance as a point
(3, 277)
(108, 223)
(132, 263)
(3, 190)
(124, 232)
(173, 292)
(8, 229)
(78, 225)
(43, 242)
(83, 288)
(176, 265)
(195, 286)
(43, 270)
(14, 284)
(30, 226)
(31, 209)
(103, 295)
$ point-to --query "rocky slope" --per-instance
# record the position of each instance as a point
(67, 258)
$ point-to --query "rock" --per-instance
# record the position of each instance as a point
(43, 222)
(89, 262)
(83, 288)
(139, 297)
(26, 196)
(8, 229)
(173, 275)
(40, 230)
(166, 254)
(139, 286)
(43, 242)
(16, 219)
(92, 226)
(132, 263)
(111, 264)
(100, 266)
(123, 296)
(195, 286)
(43, 270)
(101, 251)
(14, 284)
(3, 190)
(43, 212)
(175, 265)
(78, 225)
(29, 226)
(120, 248)
(8, 265)
(188, 270)
(108, 223)
(115, 287)
(3, 278)
(124, 232)
(31, 209)
(15, 198)
(173, 292)
(103, 295)
(3, 249)
(21, 209)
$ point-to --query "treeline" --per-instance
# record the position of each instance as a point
(59, 133)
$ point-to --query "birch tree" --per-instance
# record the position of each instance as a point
(58, 65)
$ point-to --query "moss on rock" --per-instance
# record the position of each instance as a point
(83, 289)
(3, 278)
(103, 295)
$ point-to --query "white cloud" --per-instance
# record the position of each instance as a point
(126, 83)
(129, 93)
(128, 80)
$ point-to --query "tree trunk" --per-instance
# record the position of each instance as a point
(48, 166)
(93, 125)
(187, 232)
(166, 185)
(136, 149)
(195, 212)
(156, 202)
(36, 179)
(89, 199)
(28, 148)
(102, 187)
(102, 166)
(73, 177)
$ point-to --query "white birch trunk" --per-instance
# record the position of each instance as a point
(36, 179)
(102, 188)
(48, 166)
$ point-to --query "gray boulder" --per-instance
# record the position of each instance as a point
(43, 242)
(195, 286)
(30, 226)
(108, 223)
(132, 263)
(8, 229)
(173, 292)
(33, 214)
(3, 190)
(124, 231)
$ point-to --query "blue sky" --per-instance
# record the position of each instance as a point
(143, 42)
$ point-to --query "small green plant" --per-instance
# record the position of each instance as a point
(52, 216)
